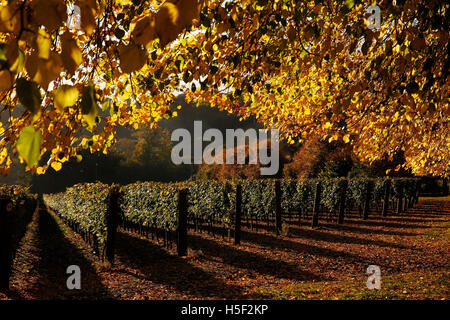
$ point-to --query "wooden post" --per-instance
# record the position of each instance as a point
(400, 200)
(112, 221)
(342, 201)
(315, 217)
(417, 192)
(237, 216)
(444, 187)
(367, 200)
(5, 244)
(387, 190)
(182, 222)
(278, 223)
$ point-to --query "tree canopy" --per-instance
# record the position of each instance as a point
(305, 67)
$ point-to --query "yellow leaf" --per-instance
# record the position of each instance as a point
(396, 115)
(65, 96)
(15, 56)
(132, 58)
(124, 2)
(89, 107)
(168, 26)
(409, 116)
(29, 145)
(327, 125)
(333, 138)
(10, 18)
(40, 170)
(346, 138)
(307, 111)
(3, 154)
(71, 55)
(44, 71)
(88, 10)
(355, 99)
(50, 13)
(190, 11)
(143, 30)
(222, 27)
(6, 80)
(56, 165)
(43, 44)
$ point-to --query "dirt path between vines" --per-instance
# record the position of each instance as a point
(414, 244)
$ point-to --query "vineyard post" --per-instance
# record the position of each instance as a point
(315, 217)
(419, 185)
(278, 223)
(112, 222)
(411, 200)
(417, 191)
(387, 190)
(342, 201)
(5, 244)
(367, 200)
(444, 187)
(182, 222)
(400, 199)
(237, 216)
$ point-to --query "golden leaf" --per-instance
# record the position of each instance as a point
(56, 165)
(143, 31)
(125, 2)
(43, 44)
(10, 18)
(6, 80)
(15, 56)
(168, 26)
(65, 96)
(132, 58)
(88, 10)
(44, 71)
(50, 13)
(71, 55)
(29, 145)
(89, 108)
(190, 11)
